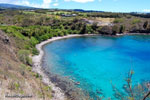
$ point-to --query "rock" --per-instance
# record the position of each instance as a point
(77, 83)
(6, 40)
(99, 91)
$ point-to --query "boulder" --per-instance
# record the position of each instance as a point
(4, 37)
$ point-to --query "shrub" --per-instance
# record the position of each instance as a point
(65, 32)
(37, 75)
(29, 68)
(119, 20)
(33, 41)
(44, 37)
(55, 34)
(17, 86)
(27, 47)
(122, 29)
(35, 51)
(23, 66)
(135, 21)
(47, 88)
(24, 57)
(115, 29)
(89, 29)
(94, 26)
(50, 36)
(60, 33)
(75, 32)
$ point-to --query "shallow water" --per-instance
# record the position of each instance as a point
(97, 62)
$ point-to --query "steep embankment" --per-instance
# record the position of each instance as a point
(16, 79)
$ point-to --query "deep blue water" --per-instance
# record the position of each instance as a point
(98, 62)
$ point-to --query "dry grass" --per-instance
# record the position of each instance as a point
(105, 20)
(17, 78)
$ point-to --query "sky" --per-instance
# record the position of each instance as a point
(99, 5)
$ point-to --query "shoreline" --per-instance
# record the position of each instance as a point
(38, 59)
(38, 68)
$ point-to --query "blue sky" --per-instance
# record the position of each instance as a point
(101, 5)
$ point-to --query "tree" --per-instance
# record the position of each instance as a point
(44, 37)
(89, 29)
(83, 30)
(94, 26)
(133, 92)
(115, 29)
(33, 41)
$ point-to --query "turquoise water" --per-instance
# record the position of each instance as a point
(98, 62)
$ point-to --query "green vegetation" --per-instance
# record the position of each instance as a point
(24, 57)
(122, 29)
(119, 20)
(136, 92)
(39, 25)
(136, 21)
(30, 27)
(115, 29)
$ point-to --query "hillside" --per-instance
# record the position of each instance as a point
(17, 78)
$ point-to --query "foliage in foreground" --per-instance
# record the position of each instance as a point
(136, 92)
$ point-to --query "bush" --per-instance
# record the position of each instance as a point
(50, 36)
(89, 29)
(122, 29)
(65, 32)
(60, 34)
(35, 51)
(27, 47)
(33, 41)
(55, 34)
(135, 21)
(24, 57)
(44, 37)
(119, 20)
(36, 75)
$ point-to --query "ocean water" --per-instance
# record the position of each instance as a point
(97, 62)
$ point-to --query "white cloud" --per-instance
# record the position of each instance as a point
(146, 10)
(8, 1)
(46, 3)
(100, 0)
(67, 0)
(55, 4)
(26, 3)
(80, 1)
